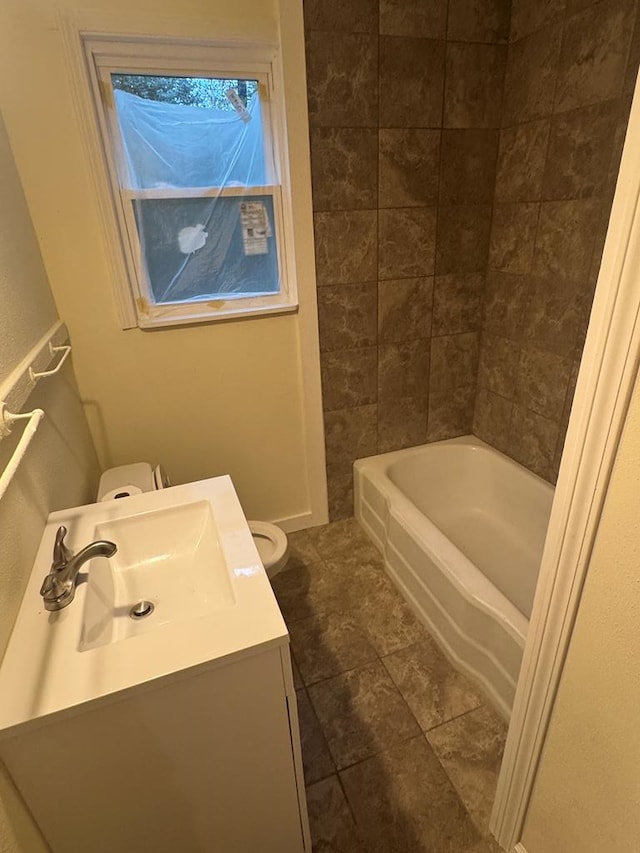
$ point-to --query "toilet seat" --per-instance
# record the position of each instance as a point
(272, 545)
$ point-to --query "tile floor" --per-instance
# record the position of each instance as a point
(401, 752)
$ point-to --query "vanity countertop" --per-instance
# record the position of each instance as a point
(49, 669)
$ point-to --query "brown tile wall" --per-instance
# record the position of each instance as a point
(464, 156)
(405, 102)
(571, 68)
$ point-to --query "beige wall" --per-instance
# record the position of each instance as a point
(587, 792)
(206, 400)
(60, 467)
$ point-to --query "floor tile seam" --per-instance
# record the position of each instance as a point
(320, 729)
(338, 611)
(443, 722)
(404, 649)
(323, 778)
(356, 823)
(333, 558)
(345, 672)
(387, 748)
(342, 672)
(480, 830)
(483, 831)
(339, 771)
(455, 717)
(458, 716)
(378, 656)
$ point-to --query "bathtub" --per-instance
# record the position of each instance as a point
(461, 528)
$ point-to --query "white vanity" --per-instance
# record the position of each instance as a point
(177, 731)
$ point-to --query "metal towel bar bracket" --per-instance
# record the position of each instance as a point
(7, 419)
(19, 384)
(65, 350)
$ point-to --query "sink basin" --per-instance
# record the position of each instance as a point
(188, 551)
(170, 557)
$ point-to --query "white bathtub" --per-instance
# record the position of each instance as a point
(461, 528)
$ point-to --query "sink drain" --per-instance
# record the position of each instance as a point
(141, 609)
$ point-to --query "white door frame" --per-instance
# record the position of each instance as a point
(605, 385)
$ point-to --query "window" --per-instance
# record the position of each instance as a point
(192, 142)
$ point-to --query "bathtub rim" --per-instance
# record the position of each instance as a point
(486, 595)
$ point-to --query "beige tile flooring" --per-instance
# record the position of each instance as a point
(401, 752)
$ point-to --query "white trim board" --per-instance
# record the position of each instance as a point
(605, 384)
(293, 523)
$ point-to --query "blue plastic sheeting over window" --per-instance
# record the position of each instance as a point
(221, 267)
(174, 145)
(199, 247)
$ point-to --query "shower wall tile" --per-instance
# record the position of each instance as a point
(402, 422)
(357, 16)
(563, 126)
(594, 54)
(413, 18)
(506, 297)
(513, 235)
(457, 303)
(349, 378)
(532, 441)
(579, 152)
(347, 316)
(578, 5)
(404, 309)
(420, 140)
(468, 167)
(463, 238)
(409, 164)
(346, 246)
(542, 382)
(343, 168)
(473, 86)
(342, 79)
(450, 413)
(403, 370)
(551, 322)
(531, 75)
(351, 433)
(633, 61)
(492, 418)
(479, 21)
(340, 489)
(565, 238)
(411, 82)
(499, 363)
(454, 361)
(529, 15)
(406, 240)
(521, 161)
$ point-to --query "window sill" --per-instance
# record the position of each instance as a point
(214, 311)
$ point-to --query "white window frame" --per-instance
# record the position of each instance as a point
(105, 54)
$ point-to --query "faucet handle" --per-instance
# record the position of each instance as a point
(61, 554)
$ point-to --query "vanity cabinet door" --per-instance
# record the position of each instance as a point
(200, 763)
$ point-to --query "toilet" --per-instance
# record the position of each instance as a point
(127, 480)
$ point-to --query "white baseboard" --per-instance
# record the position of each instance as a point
(296, 522)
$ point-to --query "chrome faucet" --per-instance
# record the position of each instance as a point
(59, 586)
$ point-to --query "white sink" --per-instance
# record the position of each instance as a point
(169, 558)
(189, 552)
